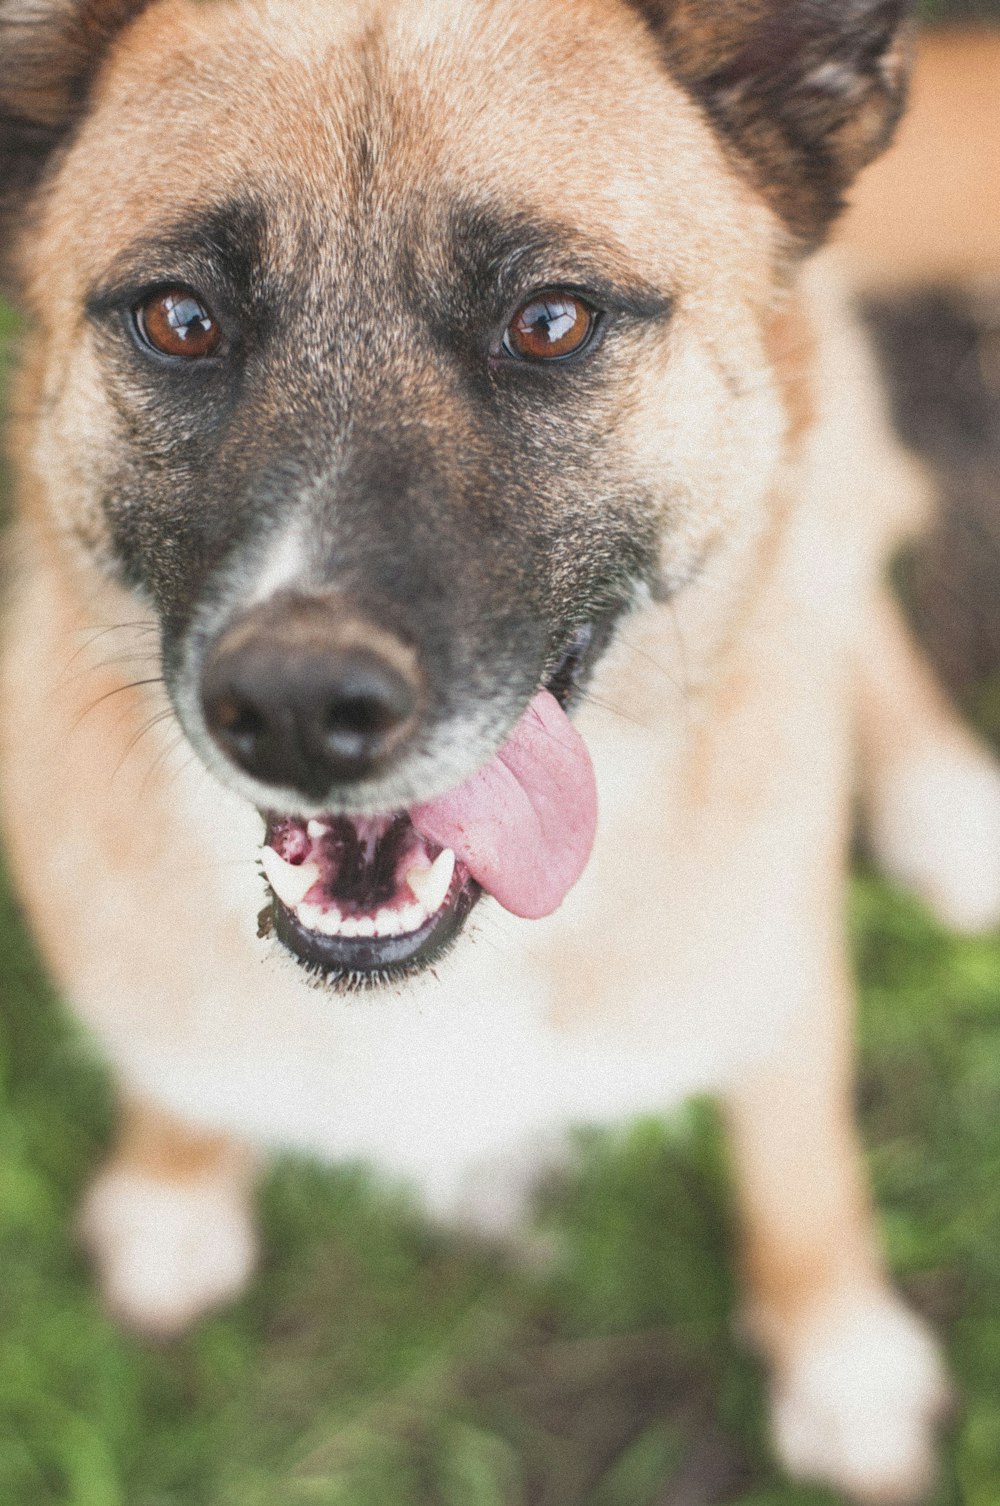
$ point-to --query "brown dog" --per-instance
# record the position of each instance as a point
(399, 368)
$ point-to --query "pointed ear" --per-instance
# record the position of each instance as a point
(50, 51)
(805, 92)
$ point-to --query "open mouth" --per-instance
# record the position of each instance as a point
(362, 898)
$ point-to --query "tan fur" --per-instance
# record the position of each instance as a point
(703, 948)
(165, 1149)
(791, 352)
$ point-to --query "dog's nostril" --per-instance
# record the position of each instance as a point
(238, 724)
(367, 716)
(239, 719)
(370, 703)
(361, 714)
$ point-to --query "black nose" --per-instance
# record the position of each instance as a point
(301, 695)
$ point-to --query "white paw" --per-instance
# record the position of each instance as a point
(856, 1402)
(167, 1252)
(936, 829)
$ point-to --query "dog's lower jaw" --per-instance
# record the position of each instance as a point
(358, 962)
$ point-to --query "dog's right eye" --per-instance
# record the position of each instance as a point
(175, 322)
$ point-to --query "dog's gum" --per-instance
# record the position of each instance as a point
(289, 840)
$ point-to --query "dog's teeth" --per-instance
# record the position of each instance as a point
(310, 916)
(430, 885)
(290, 883)
(316, 829)
(329, 922)
(392, 922)
(348, 926)
(411, 918)
(366, 926)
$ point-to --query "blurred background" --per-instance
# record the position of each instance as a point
(375, 1363)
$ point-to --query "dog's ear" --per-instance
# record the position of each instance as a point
(50, 51)
(806, 91)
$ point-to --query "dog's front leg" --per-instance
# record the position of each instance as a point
(169, 1221)
(856, 1381)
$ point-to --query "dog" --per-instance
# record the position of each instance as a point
(447, 625)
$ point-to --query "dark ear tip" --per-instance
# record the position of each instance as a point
(871, 128)
(803, 92)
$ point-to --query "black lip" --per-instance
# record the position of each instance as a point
(360, 961)
(583, 648)
(564, 680)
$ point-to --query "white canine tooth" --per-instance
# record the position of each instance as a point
(290, 883)
(316, 829)
(389, 922)
(430, 885)
(366, 926)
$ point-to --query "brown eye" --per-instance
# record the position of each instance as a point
(549, 327)
(177, 323)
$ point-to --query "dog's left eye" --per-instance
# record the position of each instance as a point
(175, 322)
(549, 327)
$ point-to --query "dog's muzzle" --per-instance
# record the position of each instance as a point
(306, 698)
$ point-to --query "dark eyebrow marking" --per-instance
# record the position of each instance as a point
(512, 255)
(223, 249)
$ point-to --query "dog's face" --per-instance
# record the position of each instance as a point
(389, 351)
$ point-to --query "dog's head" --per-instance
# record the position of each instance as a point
(388, 350)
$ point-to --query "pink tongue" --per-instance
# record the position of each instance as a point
(524, 823)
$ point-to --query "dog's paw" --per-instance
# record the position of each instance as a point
(167, 1252)
(936, 829)
(857, 1400)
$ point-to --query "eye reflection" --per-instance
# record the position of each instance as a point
(550, 327)
(177, 323)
